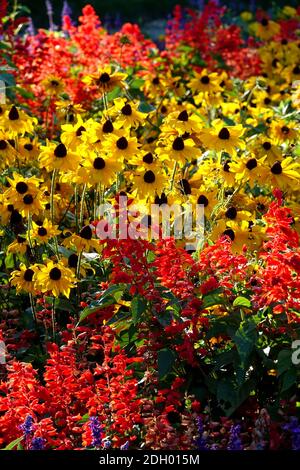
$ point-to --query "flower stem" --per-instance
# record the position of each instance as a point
(33, 309)
(82, 206)
(173, 175)
(78, 265)
(29, 233)
(76, 204)
(52, 196)
(53, 320)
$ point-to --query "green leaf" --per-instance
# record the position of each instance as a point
(228, 121)
(225, 358)
(137, 83)
(145, 107)
(13, 444)
(109, 297)
(245, 339)
(84, 419)
(138, 307)
(62, 304)
(226, 392)
(4, 45)
(9, 261)
(284, 361)
(213, 298)
(241, 302)
(8, 78)
(24, 93)
(166, 359)
(115, 93)
(289, 378)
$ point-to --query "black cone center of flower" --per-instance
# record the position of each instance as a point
(202, 200)
(161, 200)
(224, 134)
(60, 151)
(42, 232)
(104, 78)
(204, 80)
(267, 145)
(55, 274)
(86, 233)
(267, 101)
(73, 260)
(296, 70)
(28, 147)
(148, 158)
(251, 164)
(285, 130)
(10, 207)
(183, 116)
(230, 233)
(122, 143)
(107, 127)
(15, 217)
(99, 163)
(13, 114)
(3, 145)
(231, 213)
(276, 168)
(226, 167)
(54, 83)
(265, 22)
(155, 81)
(149, 177)
(261, 207)
(185, 187)
(28, 275)
(80, 130)
(126, 110)
(178, 144)
(28, 199)
(21, 187)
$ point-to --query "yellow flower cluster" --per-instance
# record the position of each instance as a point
(199, 138)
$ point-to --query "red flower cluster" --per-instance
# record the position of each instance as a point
(73, 389)
(203, 33)
(278, 279)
